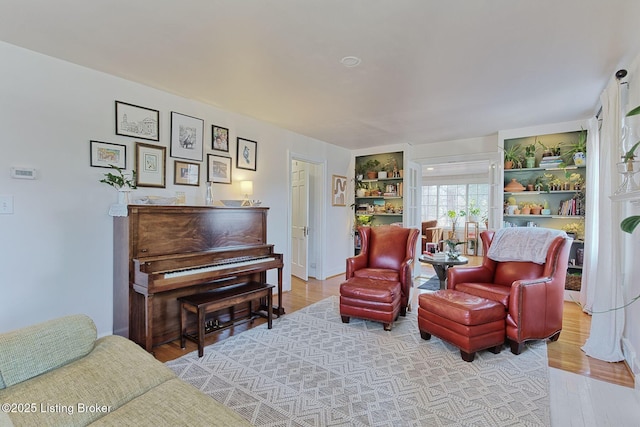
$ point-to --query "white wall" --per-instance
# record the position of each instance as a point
(56, 248)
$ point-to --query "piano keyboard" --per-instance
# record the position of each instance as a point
(230, 264)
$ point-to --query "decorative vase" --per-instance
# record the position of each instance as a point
(208, 197)
(526, 211)
(579, 158)
(382, 175)
(123, 196)
(530, 162)
(360, 192)
(514, 186)
(628, 169)
(536, 210)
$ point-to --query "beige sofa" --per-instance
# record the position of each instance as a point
(58, 374)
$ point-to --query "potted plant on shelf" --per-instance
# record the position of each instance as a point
(121, 182)
(512, 157)
(549, 150)
(474, 211)
(577, 150)
(372, 166)
(530, 155)
(360, 171)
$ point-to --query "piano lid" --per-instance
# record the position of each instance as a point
(162, 230)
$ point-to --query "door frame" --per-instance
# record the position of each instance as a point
(316, 203)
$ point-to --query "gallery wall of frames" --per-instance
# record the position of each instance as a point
(190, 139)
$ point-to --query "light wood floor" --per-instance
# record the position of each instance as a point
(564, 354)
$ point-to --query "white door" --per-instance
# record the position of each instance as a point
(300, 219)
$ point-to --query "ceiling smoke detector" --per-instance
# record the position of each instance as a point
(350, 61)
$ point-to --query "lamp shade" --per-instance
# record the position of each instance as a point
(246, 187)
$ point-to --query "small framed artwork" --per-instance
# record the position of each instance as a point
(186, 137)
(431, 247)
(138, 122)
(218, 169)
(220, 138)
(186, 173)
(105, 155)
(246, 155)
(150, 165)
(339, 190)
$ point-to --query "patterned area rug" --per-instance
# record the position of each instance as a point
(433, 284)
(313, 370)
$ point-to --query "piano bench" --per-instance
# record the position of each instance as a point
(219, 299)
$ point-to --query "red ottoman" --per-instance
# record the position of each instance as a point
(470, 323)
(377, 300)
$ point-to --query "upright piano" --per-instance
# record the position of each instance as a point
(164, 252)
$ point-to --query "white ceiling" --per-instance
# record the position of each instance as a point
(432, 70)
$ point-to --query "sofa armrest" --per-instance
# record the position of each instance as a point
(31, 351)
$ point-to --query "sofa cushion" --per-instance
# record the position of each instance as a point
(34, 350)
(116, 371)
(181, 403)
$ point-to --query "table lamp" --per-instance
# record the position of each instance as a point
(247, 189)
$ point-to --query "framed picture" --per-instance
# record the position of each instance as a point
(105, 154)
(138, 122)
(218, 169)
(246, 154)
(150, 165)
(339, 190)
(219, 138)
(186, 173)
(186, 137)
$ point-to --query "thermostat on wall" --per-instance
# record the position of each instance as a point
(23, 173)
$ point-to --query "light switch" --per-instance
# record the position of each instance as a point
(6, 204)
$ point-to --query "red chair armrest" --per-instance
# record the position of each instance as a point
(479, 274)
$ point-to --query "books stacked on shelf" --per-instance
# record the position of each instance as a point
(571, 207)
(551, 162)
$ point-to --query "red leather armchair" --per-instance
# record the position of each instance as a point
(533, 294)
(387, 253)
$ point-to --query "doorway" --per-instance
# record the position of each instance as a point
(306, 187)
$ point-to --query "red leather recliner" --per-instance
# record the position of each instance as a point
(533, 294)
(387, 253)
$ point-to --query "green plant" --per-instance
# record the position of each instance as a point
(542, 182)
(554, 150)
(473, 209)
(372, 165)
(360, 169)
(513, 154)
(631, 222)
(120, 180)
(454, 218)
(530, 150)
(580, 146)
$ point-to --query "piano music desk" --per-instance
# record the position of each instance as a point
(219, 299)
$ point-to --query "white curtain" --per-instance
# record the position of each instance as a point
(603, 278)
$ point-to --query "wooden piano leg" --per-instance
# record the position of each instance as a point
(279, 309)
(201, 316)
(269, 310)
(183, 325)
